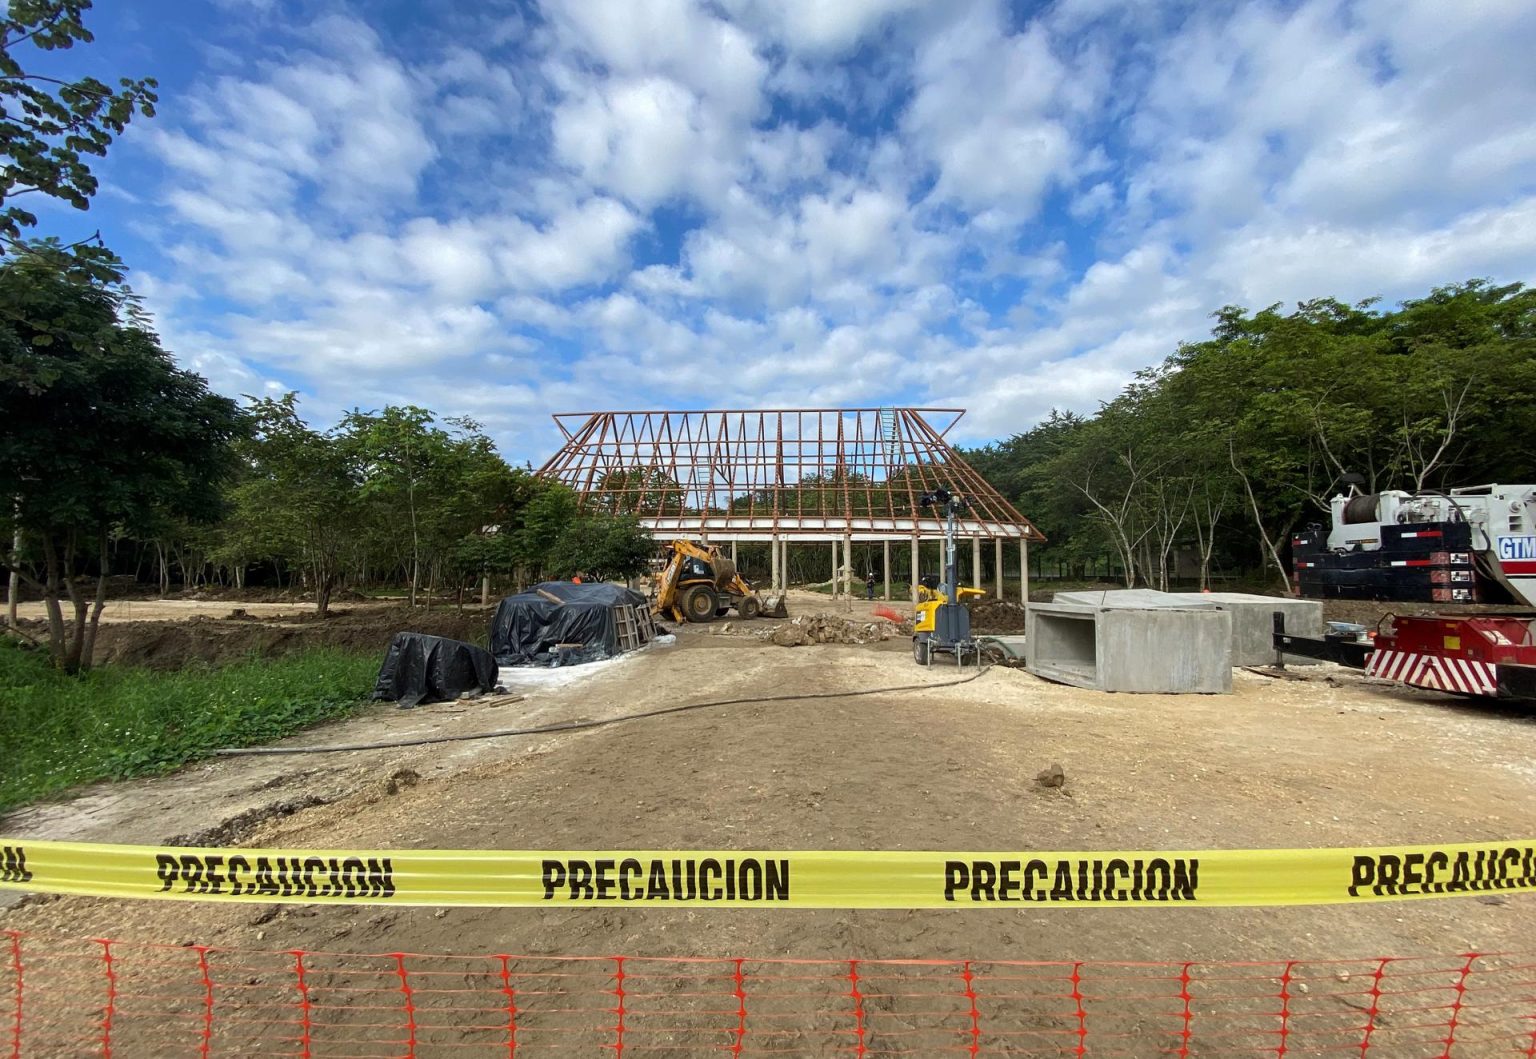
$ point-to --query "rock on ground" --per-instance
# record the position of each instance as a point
(827, 628)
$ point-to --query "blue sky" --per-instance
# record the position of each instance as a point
(508, 210)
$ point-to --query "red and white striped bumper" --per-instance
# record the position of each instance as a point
(1435, 672)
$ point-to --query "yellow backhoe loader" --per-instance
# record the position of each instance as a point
(698, 584)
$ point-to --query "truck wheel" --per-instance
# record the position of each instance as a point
(920, 649)
(748, 608)
(699, 603)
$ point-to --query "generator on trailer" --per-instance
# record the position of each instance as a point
(1472, 545)
(941, 623)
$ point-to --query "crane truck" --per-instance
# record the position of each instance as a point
(1472, 545)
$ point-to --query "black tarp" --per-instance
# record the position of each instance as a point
(527, 626)
(420, 668)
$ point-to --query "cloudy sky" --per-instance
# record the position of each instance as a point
(508, 210)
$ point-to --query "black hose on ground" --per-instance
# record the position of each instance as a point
(577, 726)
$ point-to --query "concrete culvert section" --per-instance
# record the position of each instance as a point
(1145, 648)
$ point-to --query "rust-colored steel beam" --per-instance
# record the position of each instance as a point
(820, 473)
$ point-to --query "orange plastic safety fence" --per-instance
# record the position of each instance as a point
(104, 997)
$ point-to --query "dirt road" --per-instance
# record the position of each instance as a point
(119, 610)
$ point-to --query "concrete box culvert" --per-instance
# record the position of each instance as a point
(1252, 616)
(1157, 649)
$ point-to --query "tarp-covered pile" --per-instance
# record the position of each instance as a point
(420, 668)
(580, 620)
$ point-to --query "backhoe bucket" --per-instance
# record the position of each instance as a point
(774, 607)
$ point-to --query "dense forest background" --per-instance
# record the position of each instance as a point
(1204, 465)
(115, 462)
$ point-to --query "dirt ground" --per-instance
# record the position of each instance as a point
(169, 634)
(1331, 759)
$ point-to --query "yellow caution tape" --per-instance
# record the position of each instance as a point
(794, 879)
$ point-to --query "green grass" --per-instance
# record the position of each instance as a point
(58, 731)
(901, 591)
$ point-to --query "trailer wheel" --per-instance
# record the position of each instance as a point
(699, 603)
(920, 649)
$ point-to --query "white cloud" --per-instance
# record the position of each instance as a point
(579, 246)
(679, 38)
(646, 139)
(987, 115)
(622, 202)
(343, 124)
(820, 27)
(667, 107)
(1271, 262)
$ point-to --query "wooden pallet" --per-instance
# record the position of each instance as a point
(634, 625)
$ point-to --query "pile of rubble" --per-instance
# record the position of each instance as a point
(825, 628)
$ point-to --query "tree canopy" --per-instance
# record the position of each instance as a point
(103, 435)
(1234, 442)
(49, 127)
(392, 496)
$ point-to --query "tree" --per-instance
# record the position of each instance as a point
(602, 547)
(398, 456)
(103, 435)
(299, 497)
(1235, 442)
(426, 488)
(49, 127)
(549, 509)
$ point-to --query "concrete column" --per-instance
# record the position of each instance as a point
(485, 587)
(734, 561)
(886, 568)
(1024, 570)
(915, 558)
(834, 567)
(848, 570)
(975, 562)
(997, 562)
(773, 562)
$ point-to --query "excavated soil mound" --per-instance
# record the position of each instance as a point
(996, 616)
(214, 641)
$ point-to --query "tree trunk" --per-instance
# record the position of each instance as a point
(75, 639)
(415, 539)
(1269, 548)
(88, 651)
(13, 596)
(51, 601)
(324, 582)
